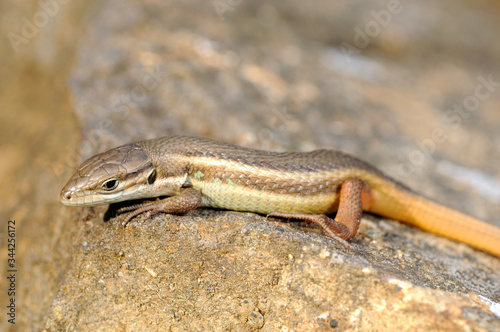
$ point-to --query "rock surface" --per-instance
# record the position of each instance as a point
(375, 79)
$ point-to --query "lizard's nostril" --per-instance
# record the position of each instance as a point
(67, 195)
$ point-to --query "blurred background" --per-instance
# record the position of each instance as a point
(410, 86)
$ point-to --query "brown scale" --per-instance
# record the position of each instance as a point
(309, 184)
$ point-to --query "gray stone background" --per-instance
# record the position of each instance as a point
(412, 87)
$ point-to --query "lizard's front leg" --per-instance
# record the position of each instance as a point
(188, 199)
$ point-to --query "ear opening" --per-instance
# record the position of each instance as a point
(152, 177)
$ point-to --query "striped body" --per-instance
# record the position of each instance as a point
(237, 178)
(241, 179)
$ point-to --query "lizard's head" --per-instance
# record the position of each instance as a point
(116, 175)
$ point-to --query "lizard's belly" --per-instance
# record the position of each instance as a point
(231, 196)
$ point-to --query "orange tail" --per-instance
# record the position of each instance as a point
(392, 202)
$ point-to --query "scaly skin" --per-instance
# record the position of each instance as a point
(200, 172)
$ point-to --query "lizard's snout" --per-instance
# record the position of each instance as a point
(65, 195)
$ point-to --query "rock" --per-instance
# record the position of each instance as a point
(268, 87)
(376, 79)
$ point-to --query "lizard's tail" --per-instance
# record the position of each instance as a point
(395, 203)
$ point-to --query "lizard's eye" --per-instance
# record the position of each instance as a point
(110, 184)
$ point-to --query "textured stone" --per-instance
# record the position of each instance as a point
(278, 76)
(271, 87)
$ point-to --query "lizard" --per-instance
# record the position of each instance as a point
(185, 173)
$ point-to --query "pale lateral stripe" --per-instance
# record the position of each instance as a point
(335, 175)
